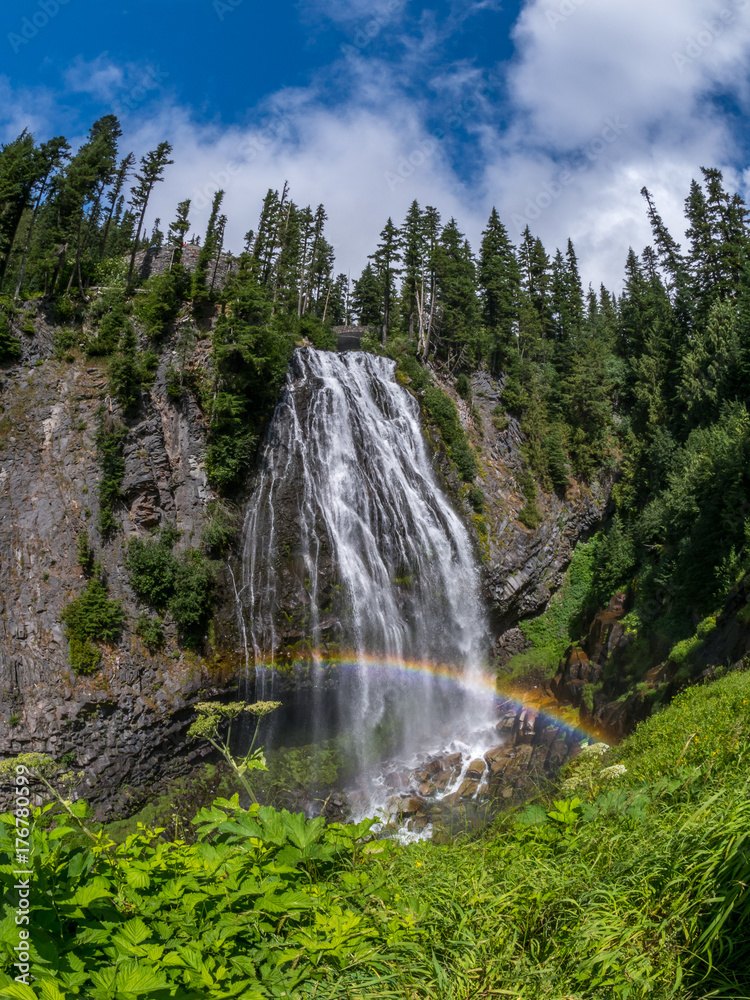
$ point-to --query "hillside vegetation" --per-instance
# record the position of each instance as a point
(630, 881)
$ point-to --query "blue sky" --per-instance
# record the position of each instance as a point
(556, 111)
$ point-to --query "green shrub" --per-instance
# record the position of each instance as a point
(152, 567)
(476, 498)
(320, 334)
(180, 584)
(157, 305)
(443, 411)
(463, 386)
(91, 618)
(149, 629)
(10, 346)
(562, 621)
(110, 313)
(130, 370)
(85, 553)
(529, 515)
(109, 440)
(463, 455)
(83, 655)
(221, 527)
(530, 668)
(64, 341)
(418, 374)
(191, 599)
(174, 383)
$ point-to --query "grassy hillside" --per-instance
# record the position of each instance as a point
(630, 882)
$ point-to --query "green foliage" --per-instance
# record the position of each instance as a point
(615, 559)
(85, 553)
(463, 386)
(561, 623)
(190, 601)
(318, 333)
(180, 584)
(254, 909)
(157, 305)
(10, 346)
(628, 882)
(531, 668)
(251, 355)
(109, 440)
(529, 515)
(442, 410)
(130, 370)
(221, 527)
(110, 314)
(418, 374)
(149, 629)
(65, 341)
(92, 617)
(476, 498)
(151, 566)
(174, 383)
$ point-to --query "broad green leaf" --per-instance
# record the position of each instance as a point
(88, 894)
(18, 991)
(135, 978)
(134, 931)
(50, 991)
(105, 980)
(137, 878)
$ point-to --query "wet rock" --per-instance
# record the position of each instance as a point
(409, 805)
(442, 778)
(476, 768)
(468, 788)
(452, 762)
(495, 753)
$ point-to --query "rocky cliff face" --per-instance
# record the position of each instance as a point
(523, 567)
(124, 726)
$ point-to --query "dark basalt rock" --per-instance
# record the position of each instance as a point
(125, 726)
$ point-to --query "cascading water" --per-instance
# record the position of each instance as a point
(353, 556)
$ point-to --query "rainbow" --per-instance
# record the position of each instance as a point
(479, 681)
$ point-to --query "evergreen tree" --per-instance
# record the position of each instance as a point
(458, 319)
(178, 230)
(153, 165)
(50, 157)
(19, 172)
(709, 365)
(499, 283)
(414, 253)
(200, 290)
(386, 257)
(367, 301)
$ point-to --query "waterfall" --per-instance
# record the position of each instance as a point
(352, 555)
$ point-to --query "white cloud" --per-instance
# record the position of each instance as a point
(618, 93)
(582, 64)
(100, 78)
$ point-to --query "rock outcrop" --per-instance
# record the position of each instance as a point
(523, 567)
(125, 726)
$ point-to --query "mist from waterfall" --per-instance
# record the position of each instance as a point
(352, 552)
